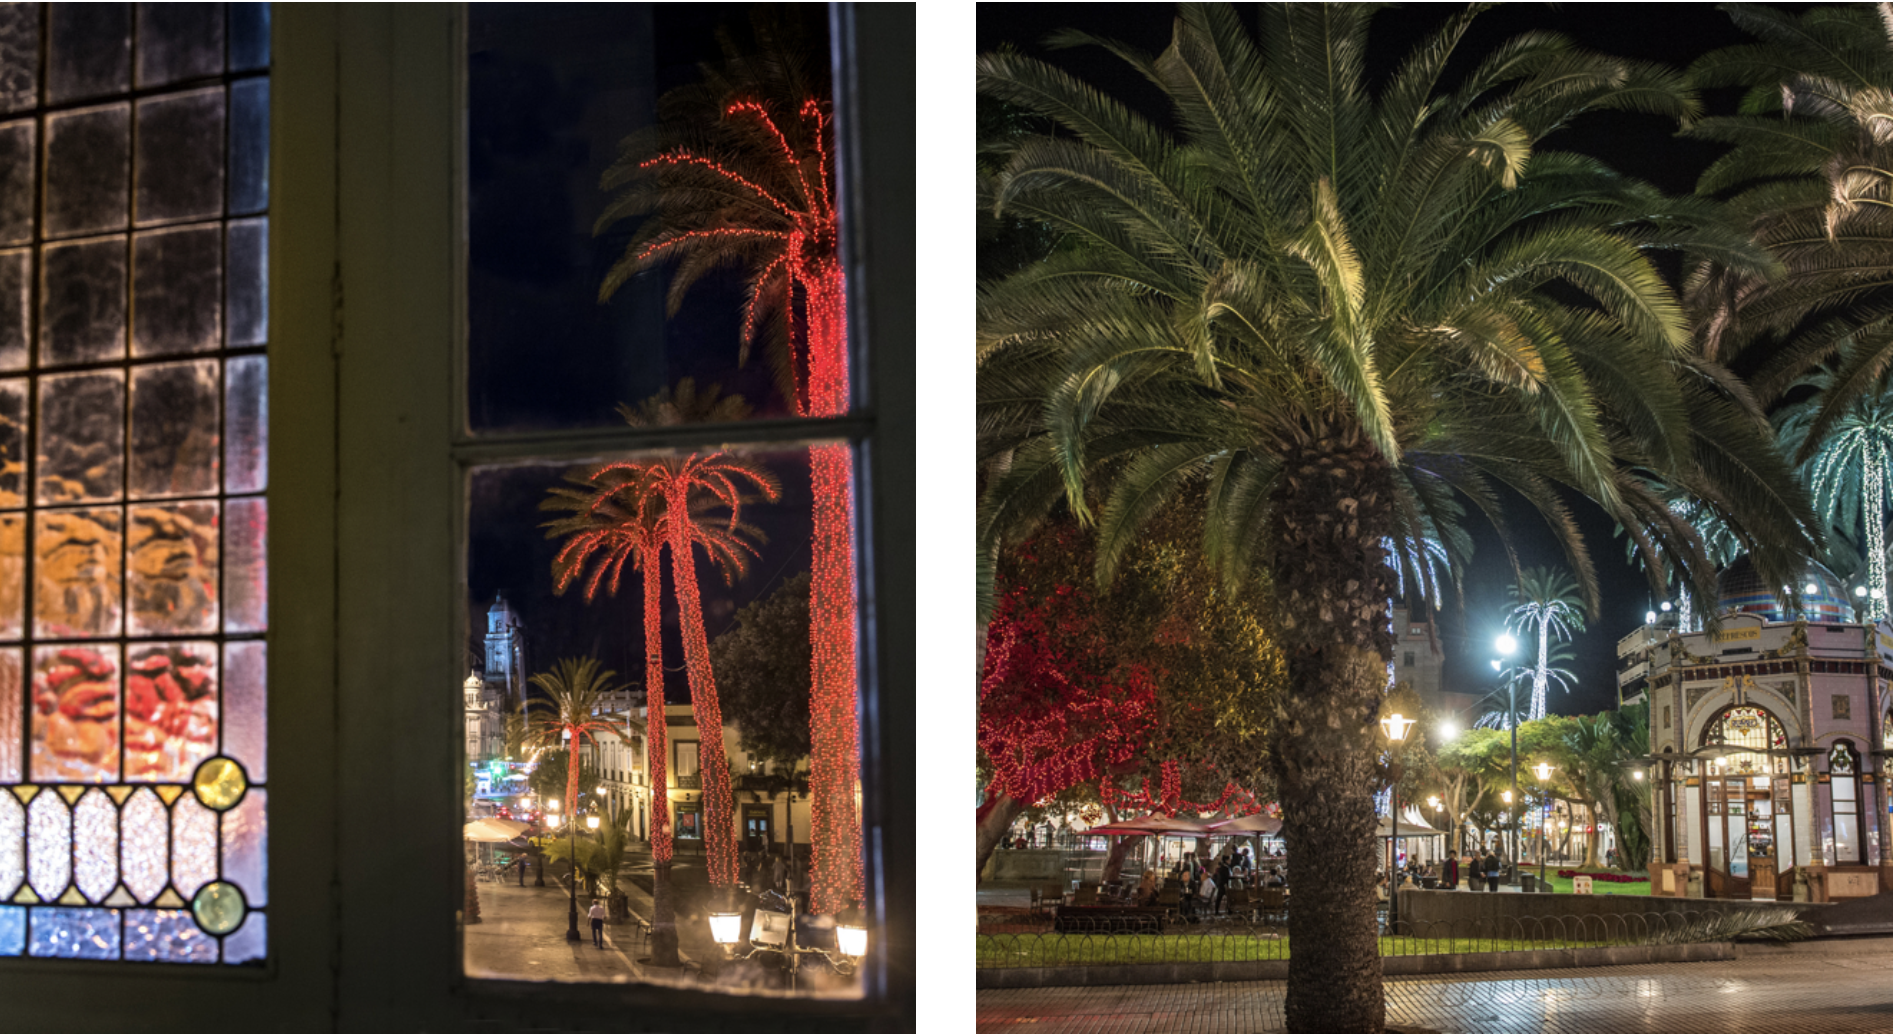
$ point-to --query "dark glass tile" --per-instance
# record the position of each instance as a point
(87, 154)
(249, 37)
(247, 289)
(89, 50)
(178, 42)
(19, 56)
(81, 437)
(174, 430)
(19, 167)
(180, 168)
(175, 278)
(16, 294)
(249, 174)
(82, 301)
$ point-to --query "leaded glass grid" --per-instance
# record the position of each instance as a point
(133, 461)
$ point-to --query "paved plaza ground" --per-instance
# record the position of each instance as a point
(1841, 989)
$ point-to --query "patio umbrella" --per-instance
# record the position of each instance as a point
(492, 831)
(1152, 825)
(1246, 826)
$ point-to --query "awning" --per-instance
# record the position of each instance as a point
(492, 831)
(1247, 826)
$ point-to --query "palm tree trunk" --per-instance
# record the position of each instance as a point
(1540, 677)
(572, 776)
(719, 841)
(991, 822)
(835, 736)
(664, 927)
(1330, 582)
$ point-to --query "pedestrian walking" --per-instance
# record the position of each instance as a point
(1221, 879)
(1491, 867)
(778, 870)
(521, 864)
(598, 915)
(1451, 873)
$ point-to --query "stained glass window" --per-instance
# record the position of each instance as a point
(133, 462)
(1753, 731)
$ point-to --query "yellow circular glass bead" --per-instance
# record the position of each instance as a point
(219, 783)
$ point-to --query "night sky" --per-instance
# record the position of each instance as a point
(1641, 146)
(553, 88)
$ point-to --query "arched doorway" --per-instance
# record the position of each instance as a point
(1748, 815)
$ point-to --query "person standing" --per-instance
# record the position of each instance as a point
(778, 870)
(1221, 879)
(521, 865)
(1491, 867)
(597, 913)
(1451, 873)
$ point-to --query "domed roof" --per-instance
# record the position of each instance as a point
(1741, 589)
(474, 681)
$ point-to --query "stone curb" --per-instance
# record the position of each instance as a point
(1406, 965)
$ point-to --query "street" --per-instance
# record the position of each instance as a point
(1834, 992)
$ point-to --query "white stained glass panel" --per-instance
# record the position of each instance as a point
(246, 838)
(95, 845)
(12, 845)
(142, 844)
(48, 845)
(193, 845)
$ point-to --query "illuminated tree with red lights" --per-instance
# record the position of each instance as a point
(613, 524)
(738, 171)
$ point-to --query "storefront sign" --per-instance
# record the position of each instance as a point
(1733, 634)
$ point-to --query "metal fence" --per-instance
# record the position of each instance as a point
(1130, 939)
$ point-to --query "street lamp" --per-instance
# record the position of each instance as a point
(1396, 728)
(1543, 772)
(1505, 643)
(572, 861)
(776, 931)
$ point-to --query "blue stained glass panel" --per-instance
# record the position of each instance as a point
(74, 933)
(12, 929)
(166, 935)
(249, 175)
(246, 944)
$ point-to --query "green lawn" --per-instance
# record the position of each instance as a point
(1563, 885)
(1004, 951)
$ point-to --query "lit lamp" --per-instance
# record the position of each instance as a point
(1544, 772)
(1397, 729)
(852, 932)
(726, 918)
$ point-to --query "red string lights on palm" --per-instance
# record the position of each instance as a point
(800, 274)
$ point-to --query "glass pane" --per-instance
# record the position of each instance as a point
(175, 280)
(75, 717)
(105, 835)
(172, 555)
(245, 836)
(248, 297)
(74, 933)
(12, 722)
(742, 646)
(143, 844)
(18, 169)
(249, 146)
(180, 171)
(19, 67)
(16, 304)
(247, 424)
(179, 41)
(81, 439)
(82, 301)
(170, 711)
(76, 586)
(245, 708)
(89, 50)
(86, 153)
(618, 216)
(174, 429)
(12, 459)
(246, 571)
(95, 845)
(249, 36)
(166, 935)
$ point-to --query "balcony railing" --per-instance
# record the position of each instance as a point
(694, 781)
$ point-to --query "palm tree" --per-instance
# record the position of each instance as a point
(1846, 467)
(1810, 171)
(1547, 606)
(573, 711)
(739, 171)
(1325, 310)
(614, 523)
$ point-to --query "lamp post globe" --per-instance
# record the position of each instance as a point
(1396, 728)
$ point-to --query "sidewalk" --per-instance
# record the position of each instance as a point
(522, 936)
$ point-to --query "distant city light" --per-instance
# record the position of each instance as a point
(1651, 617)
(1666, 606)
(1496, 665)
(1862, 592)
(1810, 588)
(1504, 643)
